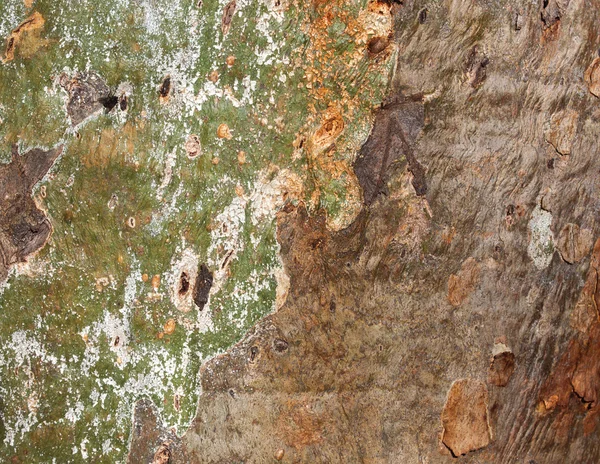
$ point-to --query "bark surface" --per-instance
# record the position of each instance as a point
(457, 315)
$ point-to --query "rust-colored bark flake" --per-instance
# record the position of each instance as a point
(586, 376)
(577, 372)
(585, 313)
(31, 26)
(561, 133)
(170, 326)
(223, 132)
(465, 417)
(592, 77)
(330, 129)
(155, 282)
(502, 365)
(462, 284)
(574, 243)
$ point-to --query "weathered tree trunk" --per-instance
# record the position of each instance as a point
(434, 199)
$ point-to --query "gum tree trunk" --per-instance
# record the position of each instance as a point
(273, 231)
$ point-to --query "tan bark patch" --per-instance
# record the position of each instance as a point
(27, 35)
(561, 133)
(465, 417)
(462, 284)
(592, 77)
(300, 425)
(574, 243)
(330, 129)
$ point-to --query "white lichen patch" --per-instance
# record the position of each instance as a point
(264, 200)
(541, 239)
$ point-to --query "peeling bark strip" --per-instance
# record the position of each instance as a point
(475, 67)
(502, 366)
(574, 243)
(88, 95)
(552, 12)
(228, 13)
(395, 131)
(577, 372)
(592, 77)
(562, 131)
(465, 417)
(24, 228)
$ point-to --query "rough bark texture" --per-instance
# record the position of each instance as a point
(454, 318)
(384, 319)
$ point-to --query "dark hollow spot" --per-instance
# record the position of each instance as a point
(280, 345)
(551, 163)
(377, 44)
(332, 306)
(165, 87)
(253, 353)
(423, 16)
(123, 102)
(117, 340)
(516, 22)
(545, 4)
(184, 283)
(232, 393)
(109, 102)
(202, 287)
(510, 210)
